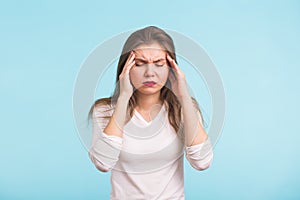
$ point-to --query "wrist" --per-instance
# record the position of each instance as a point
(123, 98)
(184, 99)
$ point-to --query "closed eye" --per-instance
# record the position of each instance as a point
(139, 64)
(159, 64)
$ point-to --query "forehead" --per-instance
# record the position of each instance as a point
(150, 51)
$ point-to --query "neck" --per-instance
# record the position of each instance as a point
(146, 102)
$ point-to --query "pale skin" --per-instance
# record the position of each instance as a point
(149, 63)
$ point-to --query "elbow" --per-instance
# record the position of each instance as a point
(203, 164)
(99, 166)
(202, 167)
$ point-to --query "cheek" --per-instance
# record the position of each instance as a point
(164, 74)
(134, 76)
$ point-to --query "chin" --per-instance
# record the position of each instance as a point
(148, 91)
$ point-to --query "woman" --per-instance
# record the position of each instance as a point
(140, 134)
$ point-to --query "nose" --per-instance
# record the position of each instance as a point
(150, 70)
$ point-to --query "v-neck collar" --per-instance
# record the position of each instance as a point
(138, 127)
(139, 116)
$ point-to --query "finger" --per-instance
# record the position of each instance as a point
(130, 62)
(172, 62)
(130, 58)
(128, 68)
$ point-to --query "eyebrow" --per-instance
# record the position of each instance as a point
(145, 61)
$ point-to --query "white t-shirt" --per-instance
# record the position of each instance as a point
(147, 163)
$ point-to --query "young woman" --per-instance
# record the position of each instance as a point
(140, 134)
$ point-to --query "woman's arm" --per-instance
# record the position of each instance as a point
(198, 148)
(117, 121)
(105, 148)
(108, 138)
(192, 120)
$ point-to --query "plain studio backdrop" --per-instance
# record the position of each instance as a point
(254, 45)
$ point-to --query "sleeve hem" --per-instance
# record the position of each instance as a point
(112, 138)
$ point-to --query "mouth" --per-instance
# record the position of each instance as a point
(149, 83)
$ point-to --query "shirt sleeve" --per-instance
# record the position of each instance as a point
(200, 156)
(105, 149)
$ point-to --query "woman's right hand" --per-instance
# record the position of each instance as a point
(126, 88)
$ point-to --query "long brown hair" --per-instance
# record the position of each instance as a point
(148, 35)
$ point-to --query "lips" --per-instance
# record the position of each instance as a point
(149, 83)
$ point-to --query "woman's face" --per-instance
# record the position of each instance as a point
(151, 71)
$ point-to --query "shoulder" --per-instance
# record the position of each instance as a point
(102, 108)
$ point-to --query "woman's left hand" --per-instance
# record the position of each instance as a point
(178, 82)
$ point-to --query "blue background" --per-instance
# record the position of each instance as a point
(255, 46)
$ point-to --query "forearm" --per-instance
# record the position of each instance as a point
(105, 151)
(118, 118)
(193, 130)
(200, 156)
(107, 138)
